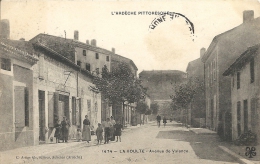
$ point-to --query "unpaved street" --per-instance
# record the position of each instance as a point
(147, 144)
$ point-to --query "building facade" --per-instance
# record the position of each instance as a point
(245, 92)
(16, 92)
(223, 50)
(63, 78)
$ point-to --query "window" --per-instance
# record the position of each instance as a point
(238, 118)
(252, 71)
(233, 81)
(6, 64)
(41, 66)
(107, 58)
(97, 56)
(238, 80)
(88, 66)
(84, 53)
(79, 63)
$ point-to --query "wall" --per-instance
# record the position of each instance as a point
(91, 59)
(247, 91)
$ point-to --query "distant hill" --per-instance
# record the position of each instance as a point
(160, 83)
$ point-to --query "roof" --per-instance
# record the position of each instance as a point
(242, 59)
(119, 58)
(161, 72)
(65, 46)
(64, 59)
(234, 35)
(19, 47)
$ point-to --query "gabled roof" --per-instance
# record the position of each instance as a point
(65, 46)
(234, 35)
(242, 59)
(19, 48)
(193, 64)
(119, 58)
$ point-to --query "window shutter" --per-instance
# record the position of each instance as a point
(78, 112)
(50, 109)
(19, 100)
(27, 111)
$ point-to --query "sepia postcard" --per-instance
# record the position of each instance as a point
(150, 82)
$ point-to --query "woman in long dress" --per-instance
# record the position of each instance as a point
(86, 135)
(65, 129)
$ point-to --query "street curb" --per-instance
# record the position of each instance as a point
(241, 159)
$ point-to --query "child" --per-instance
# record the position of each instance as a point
(99, 134)
(57, 133)
(79, 135)
(118, 130)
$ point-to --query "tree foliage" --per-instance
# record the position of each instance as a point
(185, 93)
(119, 85)
(154, 108)
(142, 107)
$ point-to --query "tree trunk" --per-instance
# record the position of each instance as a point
(123, 114)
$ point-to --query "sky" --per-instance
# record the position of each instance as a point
(170, 46)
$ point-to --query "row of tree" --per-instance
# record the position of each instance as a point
(121, 86)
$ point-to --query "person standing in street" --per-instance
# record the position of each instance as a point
(118, 130)
(112, 129)
(65, 129)
(99, 133)
(57, 133)
(86, 135)
(107, 125)
(158, 118)
(164, 121)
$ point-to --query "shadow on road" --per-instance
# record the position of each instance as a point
(204, 146)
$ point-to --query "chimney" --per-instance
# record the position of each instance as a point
(76, 35)
(248, 15)
(22, 39)
(202, 52)
(93, 42)
(87, 42)
(113, 50)
(5, 29)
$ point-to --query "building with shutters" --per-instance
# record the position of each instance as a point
(222, 52)
(16, 92)
(63, 77)
(245, 92)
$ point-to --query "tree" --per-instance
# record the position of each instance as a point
(142, 108)
(154, 108)
(185, 93)
(119, 85)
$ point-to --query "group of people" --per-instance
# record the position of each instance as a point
(158, 118)
(62, 130)
(110, 127)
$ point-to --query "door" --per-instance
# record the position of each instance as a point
(61, 110)
(41, 116)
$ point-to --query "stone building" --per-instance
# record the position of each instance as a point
(16, 92)
(119, 112)
(245, 92)
(223, 50)
(63, 77)
(195, 75)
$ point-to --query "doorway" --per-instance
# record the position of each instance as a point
(41, 116)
